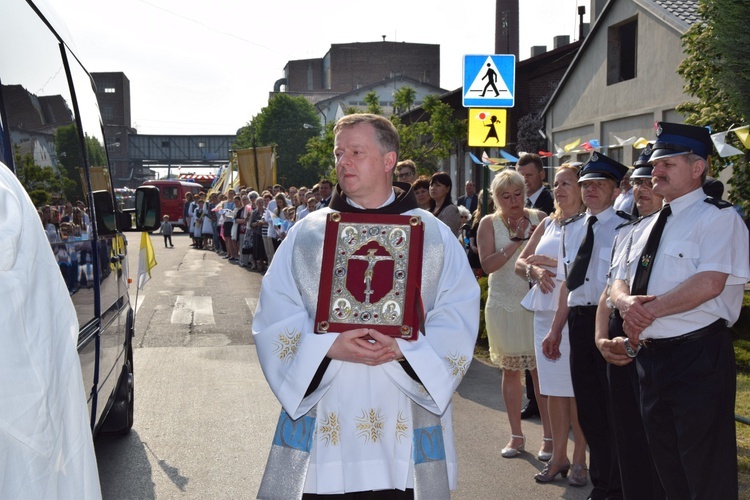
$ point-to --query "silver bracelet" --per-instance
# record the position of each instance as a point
(528, 275)
(628, 349)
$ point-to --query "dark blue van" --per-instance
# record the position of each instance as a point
(51, 137)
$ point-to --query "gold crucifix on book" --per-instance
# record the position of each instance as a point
(371, 259)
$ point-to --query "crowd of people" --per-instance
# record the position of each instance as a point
(69, 232)
(618, 300)
(246, 227)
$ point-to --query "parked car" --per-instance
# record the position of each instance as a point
(51, 137)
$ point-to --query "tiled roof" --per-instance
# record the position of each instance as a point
(686, 10)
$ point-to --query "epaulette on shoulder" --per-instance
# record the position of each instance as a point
(573, 219)
(720, 204)
(624, 215)
(635, 220)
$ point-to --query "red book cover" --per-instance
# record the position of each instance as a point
(371, 275)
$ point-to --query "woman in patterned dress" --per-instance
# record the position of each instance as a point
(501, 237)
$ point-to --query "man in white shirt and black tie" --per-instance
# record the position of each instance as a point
(678, 295)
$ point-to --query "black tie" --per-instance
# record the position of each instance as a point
(577, 273)
(646, 262)
(528, 203)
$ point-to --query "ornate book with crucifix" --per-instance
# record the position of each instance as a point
(371, 275)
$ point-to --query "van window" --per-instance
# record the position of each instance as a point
(40, 123)
(169, 193)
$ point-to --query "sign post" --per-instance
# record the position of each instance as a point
(489, 82)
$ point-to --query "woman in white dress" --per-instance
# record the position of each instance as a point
(537, 264)
(510, 327)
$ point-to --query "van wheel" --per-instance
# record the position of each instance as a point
(130, 391)
(120, 417)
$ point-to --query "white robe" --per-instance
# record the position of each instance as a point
(363, 438)
(46, 448)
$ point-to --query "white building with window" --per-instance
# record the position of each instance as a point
(623, 79)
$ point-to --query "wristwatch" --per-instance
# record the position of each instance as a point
(628, 349)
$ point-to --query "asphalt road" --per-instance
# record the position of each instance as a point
(204, 415)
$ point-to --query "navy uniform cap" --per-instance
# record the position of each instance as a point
(642, 166)
(674, 139)
(642, 172)
(600, 167)
(644, 157)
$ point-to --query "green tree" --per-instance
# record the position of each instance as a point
(289, 122)
(528, 138)
(403, 99)
(712, 107)
(40, 182)
(319, 155)
(69, 161)
(95, 151)
(373, 103)
(731, 43)
(431, 136)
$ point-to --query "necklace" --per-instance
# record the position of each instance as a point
(511, 232)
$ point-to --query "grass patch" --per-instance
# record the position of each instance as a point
(742, 407)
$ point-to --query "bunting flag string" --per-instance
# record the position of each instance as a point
(719, 139)
(572, 145)
(743, 134)
(622, 142)
(493, 164)
(508, 156)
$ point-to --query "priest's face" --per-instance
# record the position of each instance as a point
(364, 169)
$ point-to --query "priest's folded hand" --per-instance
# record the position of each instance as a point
(364, 345)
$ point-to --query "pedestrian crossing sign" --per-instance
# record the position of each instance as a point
(489, 81)
(487, 127)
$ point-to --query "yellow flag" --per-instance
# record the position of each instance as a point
(571, 146)
(641, 143)
(146, 260)
(744, 135)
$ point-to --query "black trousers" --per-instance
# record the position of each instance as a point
(530, 394)
(687, 402)
(588, 372)
(637, 472)
(365, 495)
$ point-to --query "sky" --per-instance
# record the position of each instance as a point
(207, 67)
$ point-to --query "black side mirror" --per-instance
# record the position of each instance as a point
(104, 209)
(147, 208)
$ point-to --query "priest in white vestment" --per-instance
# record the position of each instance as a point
(46, 448)
(358, 415)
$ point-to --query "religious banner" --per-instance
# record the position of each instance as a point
(372, 271)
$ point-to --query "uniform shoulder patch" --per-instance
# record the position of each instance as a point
(573, 219)
(624, 215)
(721, 204)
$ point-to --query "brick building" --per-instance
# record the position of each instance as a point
(349, 66)
(113, 96)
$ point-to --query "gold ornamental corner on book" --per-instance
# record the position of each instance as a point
(372, 270)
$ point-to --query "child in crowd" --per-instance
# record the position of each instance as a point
(166, 230)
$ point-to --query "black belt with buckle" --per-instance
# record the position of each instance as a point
(668, 343)
(584, 310)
